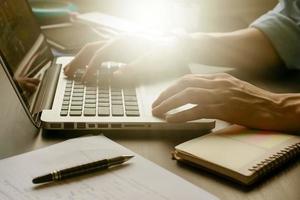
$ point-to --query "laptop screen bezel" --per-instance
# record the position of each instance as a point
(16, 89)
(10, 74)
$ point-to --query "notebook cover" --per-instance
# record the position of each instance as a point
(240, 153)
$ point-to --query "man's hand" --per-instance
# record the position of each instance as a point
(28, 84)
(142, 56)
(224, 97)
(125, 49)
(83, 57)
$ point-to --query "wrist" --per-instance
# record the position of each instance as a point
(287, 108)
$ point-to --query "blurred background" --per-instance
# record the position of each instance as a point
(193, 15)
(159, 16)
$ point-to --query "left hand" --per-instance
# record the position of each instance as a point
(219, 96)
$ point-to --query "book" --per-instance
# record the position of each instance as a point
(240, 154)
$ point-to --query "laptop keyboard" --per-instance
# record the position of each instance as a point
(102, 97)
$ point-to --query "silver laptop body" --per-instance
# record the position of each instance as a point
(52, 105)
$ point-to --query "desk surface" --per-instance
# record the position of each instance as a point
(156, 146)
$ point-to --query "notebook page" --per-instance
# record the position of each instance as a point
(138, 179)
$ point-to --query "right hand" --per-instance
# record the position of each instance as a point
(142, 56)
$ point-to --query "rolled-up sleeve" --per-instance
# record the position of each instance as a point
(282, 27)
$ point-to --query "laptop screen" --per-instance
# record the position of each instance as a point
(23, 48)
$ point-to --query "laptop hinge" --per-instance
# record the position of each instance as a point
(47, 91)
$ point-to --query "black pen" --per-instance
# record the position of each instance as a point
(81, 169)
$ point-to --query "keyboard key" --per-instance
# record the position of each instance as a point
(102, 104)
(131, 108)
(89, 96)
(75, 113)
(118, 98)
(76, 103)
(130, 98)
(116, 93)
(103, 100)
(116, 102)
(89, 112)
(67, 98)
(78, 90)
(131, 103)
(78, 83)
(64, 113)
(67, 94)
(78, 86)
(90, 101)
(117, 110)
(65, 103)
(90, 106)
(103, 91)
(77, 95)
(132, 113)
(77, 98)
(91, 88)
(103, 111)
(68, 89)
(76, 108)
(90, 92)
(65, 108)
(103, 95)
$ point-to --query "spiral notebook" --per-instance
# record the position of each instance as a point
(238, 153)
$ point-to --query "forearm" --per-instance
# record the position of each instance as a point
(286, 112)
(247, 49)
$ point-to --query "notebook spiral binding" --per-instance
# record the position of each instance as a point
(276, 160)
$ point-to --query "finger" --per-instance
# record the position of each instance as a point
(189, 95)
(34, 81)
(194, 113)
(95, 63)
(83, 57)
(129, 72)
(108, 52)
(30, 87)
(126, 76)
(197, 81)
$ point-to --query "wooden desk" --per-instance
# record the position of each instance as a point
(156, 146)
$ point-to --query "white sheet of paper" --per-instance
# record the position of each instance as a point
(138, 179)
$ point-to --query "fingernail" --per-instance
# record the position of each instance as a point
(154, 104)
(156, 112)
(170, 120)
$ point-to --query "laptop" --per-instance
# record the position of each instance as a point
(52, 101)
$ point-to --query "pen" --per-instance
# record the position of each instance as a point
(81, 169)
